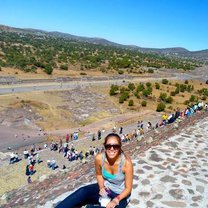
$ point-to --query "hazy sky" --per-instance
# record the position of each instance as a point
(145, 23)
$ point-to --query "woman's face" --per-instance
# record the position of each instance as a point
(112, 147)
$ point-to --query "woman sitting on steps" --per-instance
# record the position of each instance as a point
(114, 172)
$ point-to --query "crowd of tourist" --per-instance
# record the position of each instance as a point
(67, 148)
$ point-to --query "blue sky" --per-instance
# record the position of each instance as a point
(145, 23)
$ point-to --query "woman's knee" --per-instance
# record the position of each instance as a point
(81, 191)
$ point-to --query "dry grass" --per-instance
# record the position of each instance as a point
(46, 104)
(73, 71)
(152, 101)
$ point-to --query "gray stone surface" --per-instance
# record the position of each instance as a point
(178, 179)
(179, 176)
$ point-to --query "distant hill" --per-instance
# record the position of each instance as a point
(29, 49)
(59, 35)
(175, 51)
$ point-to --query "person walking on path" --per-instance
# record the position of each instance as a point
(67, 138)
(29, 181)
(114, 172)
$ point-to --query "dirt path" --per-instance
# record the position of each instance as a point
(29, 137)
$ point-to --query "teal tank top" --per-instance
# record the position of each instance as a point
(115, 182)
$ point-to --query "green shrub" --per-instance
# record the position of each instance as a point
(148, 84)
(120, 71)
(131, 86)
(121, 99)
(146, 92)
(182, 88)
(140, 87)
(177, 90)
(144, 103)
(203, 91)
(172, 93)
(136, 94)
(48, 69)
(160, 107)
(124, 89)
(164, 81)
(177, 84)
(125, 95)
(113, 90)
(169, 99)
(192, 98)
(189, 88)
(131, 102)
(186, 82)
(83, 73)
(64, 67)
(150, 71)
(163, 96)
(157, 85)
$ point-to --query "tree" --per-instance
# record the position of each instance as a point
(157, 85)
(121, 99)
(48, 69)
(163, 96)
(144, 103)
(177, 90)
(125, 95)
(148, 84)
(140, 87)
(164, 81)
(131, 86)
(146, 92)
(120, 71)
(137, 95)
(169, 99)
(160, 107)
(64, 67)
(150, 71)
(131, 102)
(186, 82)
(192, 98)
(113, 90)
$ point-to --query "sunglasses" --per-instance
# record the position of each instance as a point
(115, 146)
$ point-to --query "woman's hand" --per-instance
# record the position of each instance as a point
(103, 192)
(113, 203)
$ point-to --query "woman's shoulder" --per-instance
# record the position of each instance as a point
(99, 157)
(127, 159)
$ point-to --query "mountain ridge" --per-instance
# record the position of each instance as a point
(59, 50)
(102, 41)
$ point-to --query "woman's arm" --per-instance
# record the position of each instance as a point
(98, 169)
(128, 171)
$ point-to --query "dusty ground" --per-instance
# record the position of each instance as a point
(61, 112)
(58, 110)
